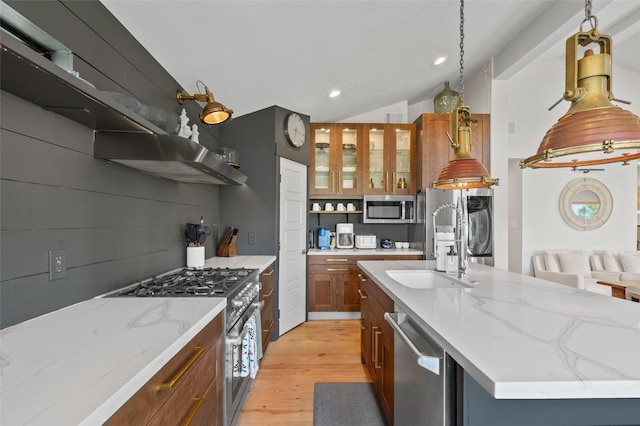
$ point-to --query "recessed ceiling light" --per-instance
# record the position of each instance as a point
(334, 93)
(439, 60)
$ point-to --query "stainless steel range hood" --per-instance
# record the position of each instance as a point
(169, 156)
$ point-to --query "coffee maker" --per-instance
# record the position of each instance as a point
(344, 235)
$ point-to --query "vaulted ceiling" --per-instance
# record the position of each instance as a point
(254, 54)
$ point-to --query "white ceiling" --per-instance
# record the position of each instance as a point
(255, 54)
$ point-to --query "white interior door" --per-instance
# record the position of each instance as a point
(292, 284)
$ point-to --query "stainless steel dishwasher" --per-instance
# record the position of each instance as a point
(424, 376)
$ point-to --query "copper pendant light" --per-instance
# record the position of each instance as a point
(464, 171)
(593, 131)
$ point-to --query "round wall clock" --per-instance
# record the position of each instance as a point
(294, 130)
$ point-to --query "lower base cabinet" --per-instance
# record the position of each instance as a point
(333, 284)
(187, 390)
(377, 341)
(268, 296)
(334, 281)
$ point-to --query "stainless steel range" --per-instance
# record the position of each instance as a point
(240, 286)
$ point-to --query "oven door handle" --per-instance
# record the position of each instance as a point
(237, 340)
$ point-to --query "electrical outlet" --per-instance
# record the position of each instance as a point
(252, 237)
(57, 264)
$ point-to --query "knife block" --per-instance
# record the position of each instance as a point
(228, 246)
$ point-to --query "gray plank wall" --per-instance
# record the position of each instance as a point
(117, 224)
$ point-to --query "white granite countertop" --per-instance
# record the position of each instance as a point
(79, 364)
(521, 337)
(249, 262)
(363, 252)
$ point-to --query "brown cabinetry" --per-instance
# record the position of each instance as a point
(355, 159)
(334, 281)
(434, 148)
(377, 341)
(336, 159)
(390, 158)
(186, 390)
(333, 284)
(268, 296)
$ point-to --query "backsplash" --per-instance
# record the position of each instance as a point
(116, 224)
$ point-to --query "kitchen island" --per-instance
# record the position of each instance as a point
(529, 347)
(80, 364)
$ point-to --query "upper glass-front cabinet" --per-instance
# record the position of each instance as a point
(389, 166)
(336, 160)
(358, 159)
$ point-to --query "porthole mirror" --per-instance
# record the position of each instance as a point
(585, 204)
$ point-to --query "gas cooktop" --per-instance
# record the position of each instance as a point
(207, 282)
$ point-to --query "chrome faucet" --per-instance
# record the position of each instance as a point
(460, 234)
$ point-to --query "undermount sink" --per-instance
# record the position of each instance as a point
(424, 278)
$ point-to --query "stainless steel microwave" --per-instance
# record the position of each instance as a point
(389, 209)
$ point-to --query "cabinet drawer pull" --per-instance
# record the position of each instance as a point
(337, 269)
(376, 350)
(374, 345)
(337, 260)
(199, 350)
(268, 329)
(363, 295)
(268, 295)
(362, 278)
(197, 402)
(266, 274)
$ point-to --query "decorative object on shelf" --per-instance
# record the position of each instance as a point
(402, 183)
(446, 101)
(585, 204)
(593, 131)
(464, 171)
(230, 155)
(195, 133)
(294, 130)
(213, 112)
(184, 130)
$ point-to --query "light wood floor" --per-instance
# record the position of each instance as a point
(316, 351)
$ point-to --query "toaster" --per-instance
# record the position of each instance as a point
(365, 241)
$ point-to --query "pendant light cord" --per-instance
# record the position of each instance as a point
(461, 52)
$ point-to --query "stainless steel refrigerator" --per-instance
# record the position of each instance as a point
(478, 215)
